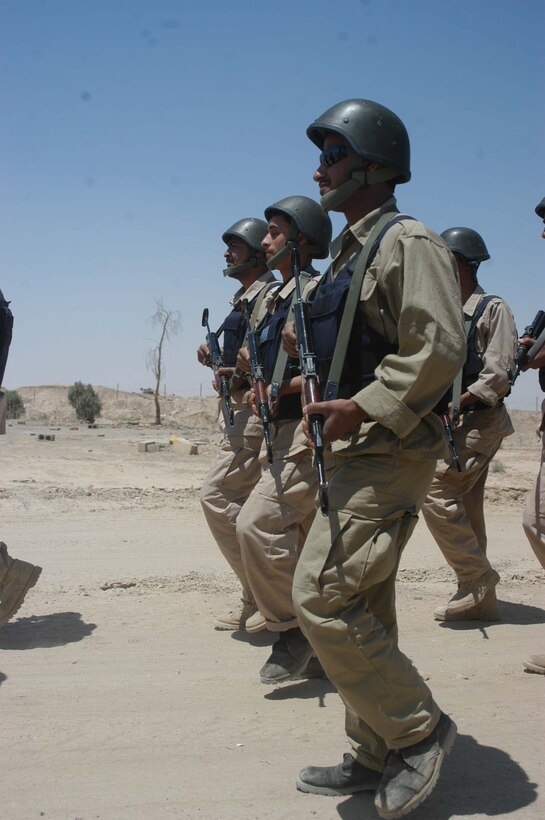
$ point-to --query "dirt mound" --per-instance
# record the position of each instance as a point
(48, 404)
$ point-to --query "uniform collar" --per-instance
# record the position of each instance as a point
(473, 301)
(253, 290)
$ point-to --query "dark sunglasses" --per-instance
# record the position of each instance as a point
(331, 156)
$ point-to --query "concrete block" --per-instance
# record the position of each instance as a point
(151, 446)
(184, 446)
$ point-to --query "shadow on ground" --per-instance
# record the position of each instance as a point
(303, 689)
(44, 631)
(263, 638)
(2, 678)
(475, 779)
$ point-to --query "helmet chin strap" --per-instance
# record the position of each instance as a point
(235, 270)
(293, 233)
(272, 263)
(360, 180)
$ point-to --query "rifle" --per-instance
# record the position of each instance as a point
(258, 379)
(447, 426)
(216, 362)
(535, 330)
(311, 385)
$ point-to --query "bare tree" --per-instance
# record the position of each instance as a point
(169, 323)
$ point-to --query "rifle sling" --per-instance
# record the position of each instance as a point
(469, 324)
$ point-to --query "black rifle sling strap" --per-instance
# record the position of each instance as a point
(352, 300)
(470, 325)
(282, 358)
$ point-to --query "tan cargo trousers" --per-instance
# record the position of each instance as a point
(228, 484)
(454, 513)
(274, 522)
(344, 596)
(533, 519)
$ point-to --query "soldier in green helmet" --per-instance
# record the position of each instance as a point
(387, 319)
(533, 519)
(275, 519)
(454, 507)
(237, 468)
(16, 576)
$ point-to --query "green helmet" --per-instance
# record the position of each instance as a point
(252, 231)
(468, 243)
(374, 133)
(540, 209)
(309, 219)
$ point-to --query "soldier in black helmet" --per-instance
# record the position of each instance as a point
(275, 519)
(237, 469)
(387, 321)
(533, 519)
(16, 576)
(454, 508)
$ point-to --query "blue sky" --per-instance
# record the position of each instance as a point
(134, 132)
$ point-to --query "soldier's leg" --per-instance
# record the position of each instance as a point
(533, 519)
(225, 489)
(449, 521)
(271, 529)
(348, 559)
(16, 578)
(474, 505)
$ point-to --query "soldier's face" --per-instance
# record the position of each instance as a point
(276, 236)
(237, 252)
(331, 176)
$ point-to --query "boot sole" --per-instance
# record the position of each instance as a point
(227, 628)
(30, 582)
(476, 613)
(253, 630)
(425, 792)
(530, 667)
(330, 791)
(294, 674)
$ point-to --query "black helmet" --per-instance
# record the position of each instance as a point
(310, 220)
(252, 231)
(374, 132)
(468, 243)
(540, 209)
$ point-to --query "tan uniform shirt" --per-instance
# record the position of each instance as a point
(496, 343)
(410, 295)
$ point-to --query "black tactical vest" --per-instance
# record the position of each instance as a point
(270, 339)
(366, 348)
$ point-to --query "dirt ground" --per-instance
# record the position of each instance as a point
(120, 700)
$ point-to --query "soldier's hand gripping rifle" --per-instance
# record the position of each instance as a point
(535, 330)
(259, 385)
(217, 361)
(309, 373)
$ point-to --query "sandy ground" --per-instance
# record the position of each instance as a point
(120, 700)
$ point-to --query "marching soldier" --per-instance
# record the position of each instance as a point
(396, 282)
(237, 468)
(275, 519)
(454, 507)
(533, 519)
(16, 577)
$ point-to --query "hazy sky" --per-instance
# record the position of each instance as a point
(134, 132)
